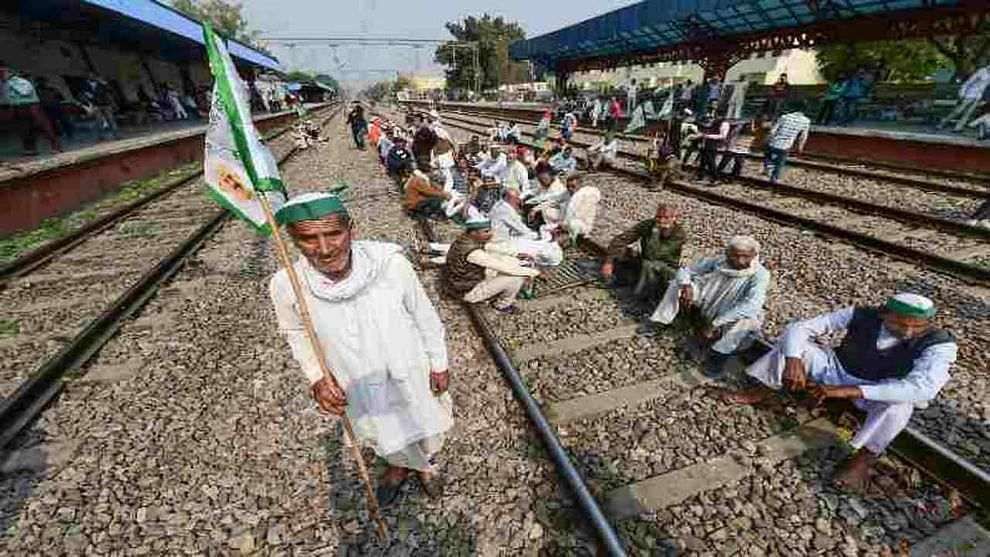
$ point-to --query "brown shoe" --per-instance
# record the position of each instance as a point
(854, 476)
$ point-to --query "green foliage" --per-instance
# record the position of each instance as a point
(227, 18)
(908, 60)
(492, 35)
(379, 91)
(967, 53)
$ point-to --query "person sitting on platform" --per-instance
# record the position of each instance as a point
(604, 151)
(564, 163)
(473, 147)
(496, 165)
(475, 275)
(723, 298)
(891, 359)
(660, 241)
(384, 340)
(423, 199)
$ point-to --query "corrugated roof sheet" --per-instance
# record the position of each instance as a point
(655, 24)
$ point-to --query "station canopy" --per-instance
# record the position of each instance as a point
(145, 25)
(717, 32)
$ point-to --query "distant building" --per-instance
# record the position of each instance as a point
(799, 65)
(422, 86)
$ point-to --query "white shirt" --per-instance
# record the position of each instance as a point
(609, 150)
(788, 128)
(975, 86)
(929, 374)
(494, 167)
(382, 337)
(516, 176)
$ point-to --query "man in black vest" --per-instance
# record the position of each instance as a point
(890, 360)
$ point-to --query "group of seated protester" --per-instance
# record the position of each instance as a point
(891, 359)
(519, 210)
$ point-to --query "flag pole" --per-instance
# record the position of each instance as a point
(307, 320)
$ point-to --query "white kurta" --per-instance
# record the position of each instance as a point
(730, 299)
(382, 338)
(888, 404)
(581, 211)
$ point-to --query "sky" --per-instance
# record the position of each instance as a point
(421, 19)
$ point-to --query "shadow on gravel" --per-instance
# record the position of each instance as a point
(417, 525)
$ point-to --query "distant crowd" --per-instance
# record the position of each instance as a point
(33, 107)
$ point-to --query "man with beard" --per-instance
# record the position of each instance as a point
(660, 241)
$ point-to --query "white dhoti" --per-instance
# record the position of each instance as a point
(736, 336)
(505, 287)
(546, 253)
(884, 420)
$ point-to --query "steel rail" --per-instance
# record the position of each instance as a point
(963, 271)
(606, 534)
(933, 459)
(804, 162)
(43, 254)
(34, 394)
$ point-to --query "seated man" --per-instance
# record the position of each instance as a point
(726, 294)
(516, 174)
(890, 360)
(509, 229)
(661, 240)
(581, 208)
(385, 145)
(398, 156)
(495, 166)
(546, 201)
(604, 151)
(564, 161)
(475, 275)
(473, 147)
(422, 199)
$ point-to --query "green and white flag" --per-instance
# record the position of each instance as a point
(238, 167)
(637, 121)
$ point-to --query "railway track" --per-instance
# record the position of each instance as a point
(948, 246)
(668, 461)
(935, 180)
(94, 280)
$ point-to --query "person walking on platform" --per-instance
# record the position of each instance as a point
(891, 360)
(779, 92)
(660, 241)
(722, 298)
(475, 275)
(970, 97)
(51, 103)
(385, 342)
(789, 128)
(737, 99)
(358, 124)
(832, 96)
(19, 95)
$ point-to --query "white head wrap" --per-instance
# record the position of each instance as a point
(747, 243)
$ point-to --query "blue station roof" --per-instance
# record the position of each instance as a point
(147, 24)
(655, 25)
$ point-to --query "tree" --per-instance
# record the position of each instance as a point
(378, 91)
(492, 37)
(968, 52)
(907, 60)
(227, 18)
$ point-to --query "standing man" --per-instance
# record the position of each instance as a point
(631, 92)
(890, 360)
(789, 128)
(358, 124)
(778, 96)
(722, 296)
(660, 241)
(97, 93)
(475, 275)
(19, 95)
(737, 99)
(384, 340)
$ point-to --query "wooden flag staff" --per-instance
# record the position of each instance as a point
(283, 255)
